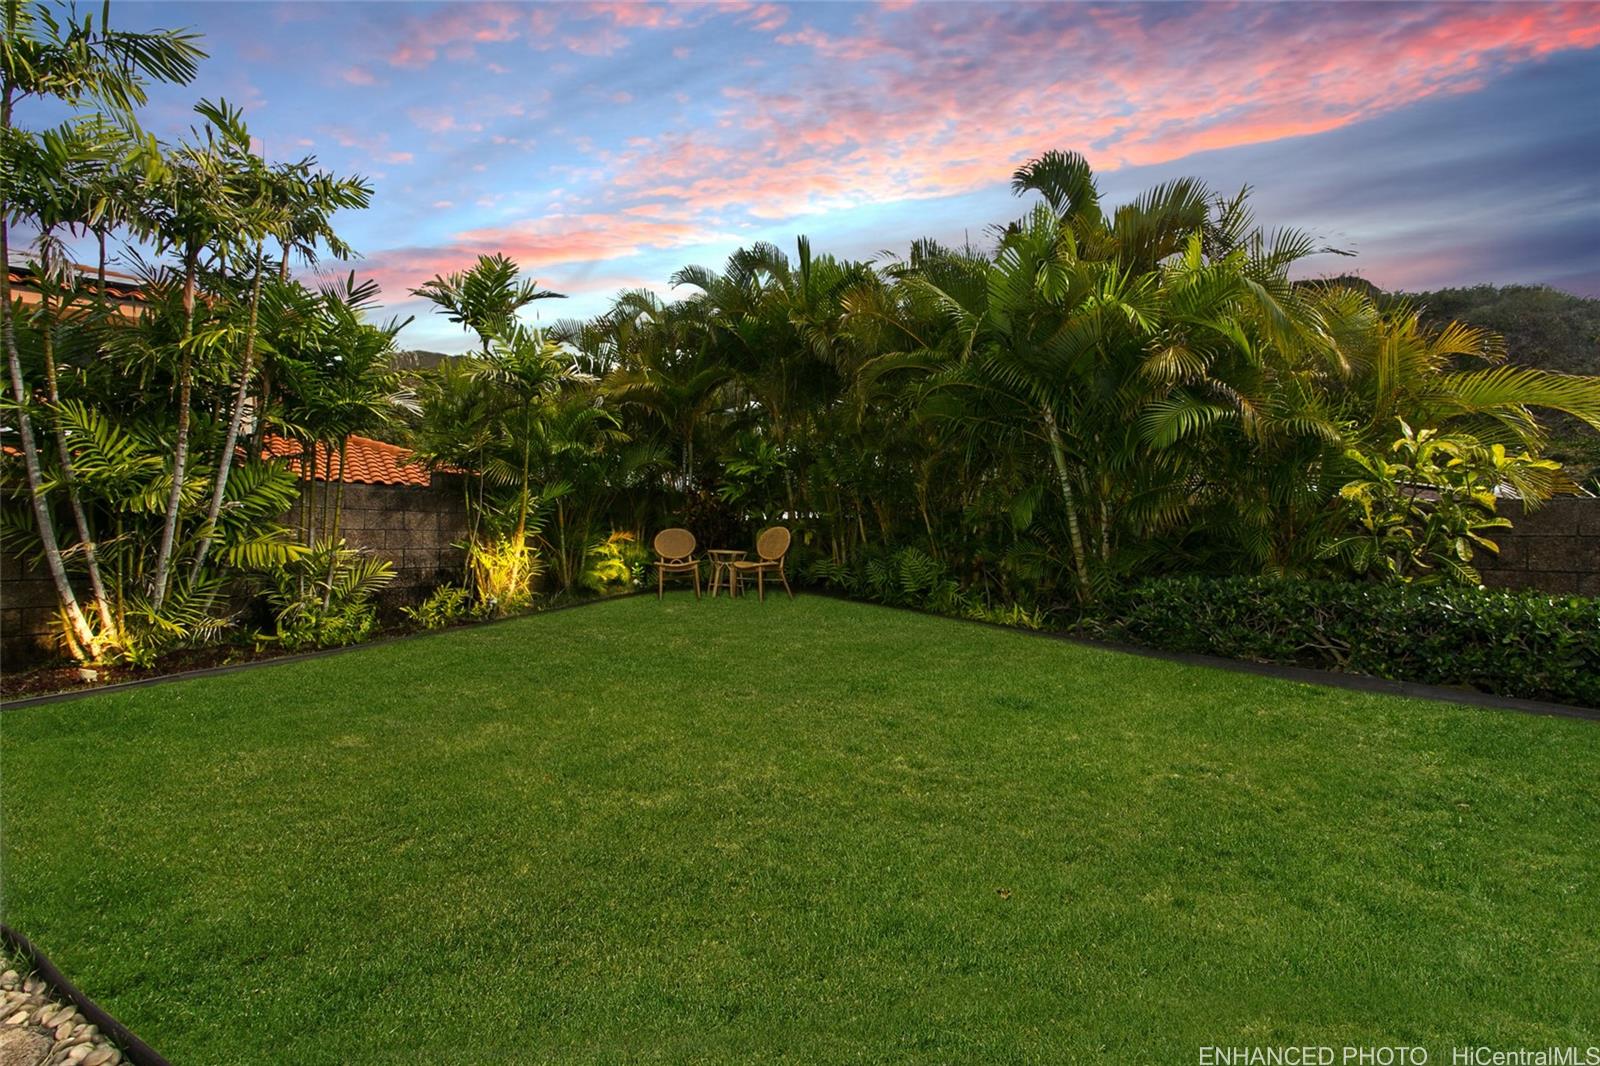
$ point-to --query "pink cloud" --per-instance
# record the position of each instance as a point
(412, 54)
(634, 13)
(944, 99)
(766, 17)
(456, 30)
(552, 240)
(358, 75)
(601, 42)
(434, 120)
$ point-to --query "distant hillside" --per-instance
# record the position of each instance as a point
(1542, 326)
(418, 359)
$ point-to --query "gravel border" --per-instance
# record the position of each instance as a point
(46, 1021)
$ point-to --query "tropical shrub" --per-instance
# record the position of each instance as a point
(324, 599)
(503, 573)
(614, 564)
(1526, 644)
(904, 577)
(445, 606)
(1421, 514)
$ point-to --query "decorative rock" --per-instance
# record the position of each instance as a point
(20, 1046)
(35, 1030)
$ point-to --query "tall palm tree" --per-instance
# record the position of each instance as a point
(204, 202)
(80, 61)
(663, 365)
(484, 298)
(293, 203)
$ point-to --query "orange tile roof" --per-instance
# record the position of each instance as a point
(368, 462)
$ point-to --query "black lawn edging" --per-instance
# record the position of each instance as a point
(1302, 674)
(1283, 672)
(296, 657)
(133, 1049)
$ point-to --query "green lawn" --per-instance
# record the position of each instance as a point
(805, 832)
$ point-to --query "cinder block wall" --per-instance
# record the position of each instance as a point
(27, 613)
(1556, 548)
(415, 528)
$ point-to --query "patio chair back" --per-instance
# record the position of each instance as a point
(674, 543)
(773, 543)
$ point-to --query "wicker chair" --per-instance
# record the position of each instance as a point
(676, 549)
(771, 547)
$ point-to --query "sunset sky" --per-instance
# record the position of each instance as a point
(604, 145)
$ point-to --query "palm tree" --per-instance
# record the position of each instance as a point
(662, 364)
(81, 61)
(292, 202)
(57, 185)
(486, 297)
(203, 201)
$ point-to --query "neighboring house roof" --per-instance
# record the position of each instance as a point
(367, 462)
(123, 289)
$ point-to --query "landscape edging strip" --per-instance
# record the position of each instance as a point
(133, 1049)
(295, 657)
(1281, 671)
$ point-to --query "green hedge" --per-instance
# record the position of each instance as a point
(1527, 644)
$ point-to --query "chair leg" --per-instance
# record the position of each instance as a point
(695, 573)
(661, 582)
(785, 579)
(761, 585)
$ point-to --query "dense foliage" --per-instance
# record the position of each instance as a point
(136, 469)
(1542, 327)
(1094, 396)
(1526, 644)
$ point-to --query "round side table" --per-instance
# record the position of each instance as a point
(722, 560)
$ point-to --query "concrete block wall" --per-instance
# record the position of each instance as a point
(27, 613)
(415, 528)
(1555, 549)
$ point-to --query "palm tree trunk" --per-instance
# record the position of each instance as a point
(333, 529)
(180, 455)
(74, 498)
(78, 625)
(1058, 455)
(522, 502)
(231, 440)
(100, 268)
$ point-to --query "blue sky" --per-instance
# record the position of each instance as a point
(604, 145)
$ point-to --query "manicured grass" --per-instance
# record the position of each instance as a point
(808, 832)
